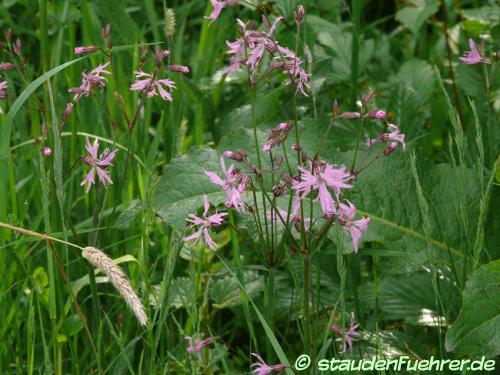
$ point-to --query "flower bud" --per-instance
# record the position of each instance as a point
(46, 151)
(67, 111)
(377, 114)
(179, 69)
(280, 189)
(389, 149)
(44, 129)
(6, 66)
(106, 31)
(351, 115)
(239, 155)
(336, 108)
(85, 49)
(367, 98)
(17, 47)
(8, 34)
(278, 161)
(299, 14)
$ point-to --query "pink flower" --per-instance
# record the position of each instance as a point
(237, 49)
(393, 136)
(262, 368)
(85, 49)
(324, 176)
(292, 66)
(234, 184)
(3, 92)
(97, 164)
(153, 86)
(198, 343)
(346, 337)
(46, 151)
(218, 6)
(205, 223)
(257, 43)
(354, 227)
(278, 136)
(90, 81)
(473, 56)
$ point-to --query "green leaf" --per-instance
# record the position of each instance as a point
(225, 292)
(476, 332)
(72, 325)
(266, 107)
(416, 13)
(385, 192)
(125, 30)
(183, 184)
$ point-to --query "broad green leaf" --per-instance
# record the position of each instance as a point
(476, 332)
(183, 184)
(416, 13)
(266, 107)
(225, 292)
(412, 91)
(385, 192)
(72, 325)
(410, 297)
(113, 12)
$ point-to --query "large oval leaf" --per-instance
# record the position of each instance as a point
(476, 332)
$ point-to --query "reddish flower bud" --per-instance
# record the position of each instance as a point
(67, 111)
(336, 107)
(44, 129)
(351, 115)
(8, 34)
(106, 31)
(46, 151)
(6, 66)
(280, 189)
(389, 149)
(377, 114)
(239, 155)
(367, 98)
(85, 49)
(179, 69)
(299, 14)
(18, 47)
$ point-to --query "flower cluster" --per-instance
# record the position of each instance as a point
(90, 81)
(149, 82)
(250, 49)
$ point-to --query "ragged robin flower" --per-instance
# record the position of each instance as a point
(97, 164)
(204, 223)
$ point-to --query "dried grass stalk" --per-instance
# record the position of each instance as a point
(118, 278)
